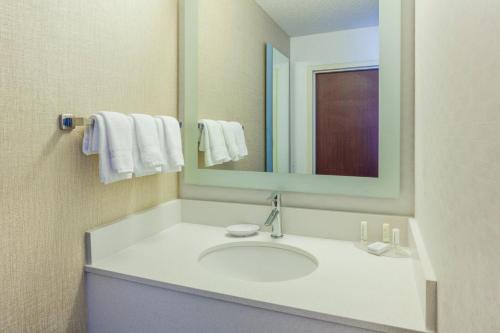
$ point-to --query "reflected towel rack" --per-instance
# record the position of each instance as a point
(201, 126)
(68, 122)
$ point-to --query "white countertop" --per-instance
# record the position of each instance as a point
(349, 286)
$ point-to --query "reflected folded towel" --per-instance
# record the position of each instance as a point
(95, 141)
(170, 143)
(140, 169)
(119, 141)
(146, 135)
(229, 133)
(212, 142)
(239, 134)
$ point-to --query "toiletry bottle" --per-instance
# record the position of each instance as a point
(395, 240)
(386, 237)
(364, 232)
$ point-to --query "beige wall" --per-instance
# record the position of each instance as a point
(232, 39)
(404, 205)
(75, 56)
(458, 157)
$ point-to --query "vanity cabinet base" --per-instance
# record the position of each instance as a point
(117, 305)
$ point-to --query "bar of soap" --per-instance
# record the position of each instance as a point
(378, 248)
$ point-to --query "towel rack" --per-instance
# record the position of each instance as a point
(201, 126)
(68, 122)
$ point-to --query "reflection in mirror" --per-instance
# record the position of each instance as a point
(293, 83)
(277, 111)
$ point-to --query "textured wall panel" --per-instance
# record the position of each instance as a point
(75, 56)
(458, 158)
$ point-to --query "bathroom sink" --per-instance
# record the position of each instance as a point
(258, 261)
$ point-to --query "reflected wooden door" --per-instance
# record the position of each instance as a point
(347, 123)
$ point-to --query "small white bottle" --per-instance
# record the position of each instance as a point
(364, 232)
(396, 242)
(395, 238)
(386, 237)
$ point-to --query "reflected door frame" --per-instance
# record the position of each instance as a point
(312, 71)
(277, 126)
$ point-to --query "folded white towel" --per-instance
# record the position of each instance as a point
(119, 140)
(229, 133)
(213, 144)
(239, 133)
(95, 141)
(140, 169)
(161, 137)
(172, 144)
(146, 135)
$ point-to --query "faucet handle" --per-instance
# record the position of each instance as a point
(274, 196)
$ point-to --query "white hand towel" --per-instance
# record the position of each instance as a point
(95, 141)
(161, 137)
(119, 140)
(239, 134)
(172, 144)
(213, 144)
(230, 138)
(140, 169)
(147, 139)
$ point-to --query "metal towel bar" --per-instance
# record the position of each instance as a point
(68, 121)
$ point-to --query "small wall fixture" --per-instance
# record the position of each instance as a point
(68, 122)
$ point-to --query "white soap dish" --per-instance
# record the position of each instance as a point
(242, 230)
(378, 248)
(393, 252)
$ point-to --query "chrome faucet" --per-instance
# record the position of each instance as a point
(274, 219)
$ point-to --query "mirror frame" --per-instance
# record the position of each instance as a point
(387, 185)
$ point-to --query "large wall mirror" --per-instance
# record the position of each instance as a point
(293, 95)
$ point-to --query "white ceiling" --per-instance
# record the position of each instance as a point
(306, 17)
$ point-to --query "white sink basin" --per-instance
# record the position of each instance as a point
(258, 261)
